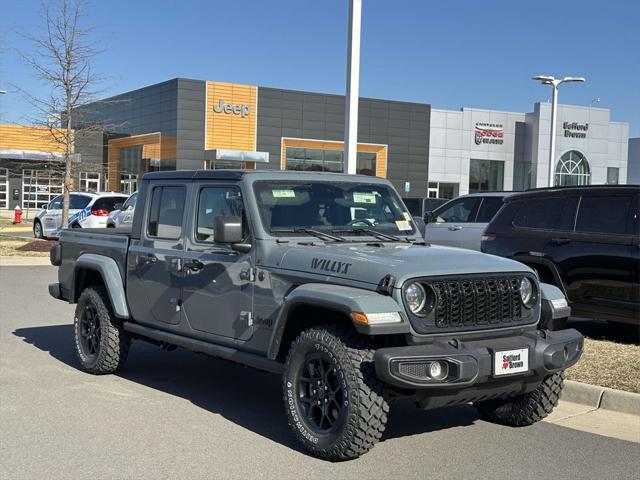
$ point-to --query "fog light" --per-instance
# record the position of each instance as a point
(438, 370)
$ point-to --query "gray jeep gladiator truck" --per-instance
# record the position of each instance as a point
(325, 280)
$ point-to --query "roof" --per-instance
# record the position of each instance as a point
(100, 194)
(255, 174)
(559, 191)
(487, 194)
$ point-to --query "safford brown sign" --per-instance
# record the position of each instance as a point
(489, 133)
(575, 129)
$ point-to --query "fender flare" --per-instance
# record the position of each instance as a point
(342, 299)
(108, 269)
(553, 306)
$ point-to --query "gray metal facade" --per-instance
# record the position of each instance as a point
(403, 126)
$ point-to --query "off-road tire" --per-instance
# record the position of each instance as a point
(526, 409)
(38, 232)
(114, 342)
(364, 416)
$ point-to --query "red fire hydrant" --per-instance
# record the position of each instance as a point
(17, 214)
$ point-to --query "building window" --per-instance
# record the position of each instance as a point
(4, 188)
(128, 183)
(613, 174)
(572, 169)
(318, 160)
(89, 182)
(39, 187)
(486, 176)
(224, 165)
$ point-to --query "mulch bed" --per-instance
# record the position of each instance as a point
(37, 246)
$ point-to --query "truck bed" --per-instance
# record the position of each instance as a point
(111, 242)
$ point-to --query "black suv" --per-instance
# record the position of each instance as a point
(585, 240)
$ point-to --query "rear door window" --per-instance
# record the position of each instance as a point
(459, 211)
(539, 213)
(78, 202)
(488, 209)
(107, 203)
(166, 214)
(603, 214)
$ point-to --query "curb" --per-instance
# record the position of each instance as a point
(22, 261)
(15, 229)
(601, 397)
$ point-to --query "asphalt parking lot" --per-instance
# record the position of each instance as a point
(182, 415)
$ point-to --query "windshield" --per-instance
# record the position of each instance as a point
(288, 206)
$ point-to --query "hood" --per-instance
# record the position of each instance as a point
(370, 264)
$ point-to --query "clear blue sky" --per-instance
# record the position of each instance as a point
(447, 53)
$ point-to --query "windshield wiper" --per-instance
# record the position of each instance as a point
(369, 231)
(310, 231)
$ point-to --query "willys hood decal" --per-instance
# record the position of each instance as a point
(370, 264)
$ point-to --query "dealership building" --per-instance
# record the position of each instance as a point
(194, 124)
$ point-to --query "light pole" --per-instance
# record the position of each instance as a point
(555, 83)
(353, 83)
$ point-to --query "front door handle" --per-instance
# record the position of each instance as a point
(194, 265)
(455, 228)
(560, 241)
(148, 258)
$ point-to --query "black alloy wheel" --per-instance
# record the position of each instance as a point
(90, 332)
(320, 393)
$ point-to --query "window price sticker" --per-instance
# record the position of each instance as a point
(364, 197)
(283, 194)
(403, 225)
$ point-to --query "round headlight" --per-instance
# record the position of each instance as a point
(527, 293)
(416, 297)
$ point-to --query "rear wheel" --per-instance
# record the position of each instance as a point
(37, 229)
(101, 343)
(525, 409)
(332, 396)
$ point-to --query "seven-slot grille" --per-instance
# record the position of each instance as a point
(480, 302)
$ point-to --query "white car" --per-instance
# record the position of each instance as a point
(123, 216)
(86, 210)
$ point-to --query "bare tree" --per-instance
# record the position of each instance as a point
(62, 58)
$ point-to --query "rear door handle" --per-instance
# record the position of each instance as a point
(194, 265)
(455, 228)
(560, 241)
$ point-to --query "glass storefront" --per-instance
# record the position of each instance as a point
(572, 169)
(486, 175)
(318, 160)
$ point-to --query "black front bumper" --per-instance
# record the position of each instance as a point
(470, 364)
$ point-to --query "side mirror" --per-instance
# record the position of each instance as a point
(118, 206)
(227, 229)
(429, 217)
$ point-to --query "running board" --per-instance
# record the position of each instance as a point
(226, 353)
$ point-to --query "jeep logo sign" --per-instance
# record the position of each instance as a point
(234, 108)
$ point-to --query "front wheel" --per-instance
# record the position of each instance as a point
(332, 396)
(525, 409)
(37, 229)
(101, 343)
